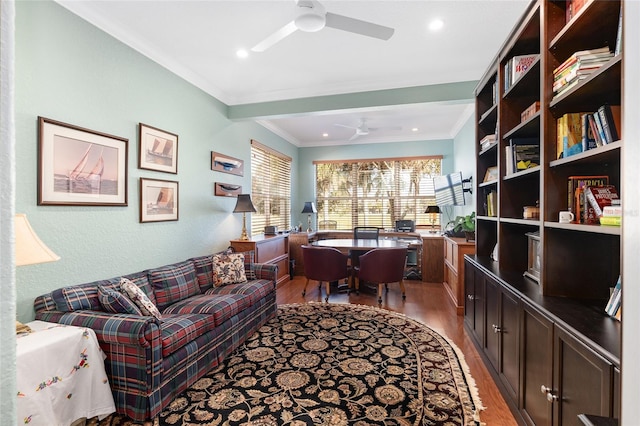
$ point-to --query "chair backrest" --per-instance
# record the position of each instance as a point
(324, 263)
(366, 233)
(328, 224)
(383, 265)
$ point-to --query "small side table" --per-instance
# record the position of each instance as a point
(60, 375)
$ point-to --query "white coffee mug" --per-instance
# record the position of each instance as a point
(566, 217)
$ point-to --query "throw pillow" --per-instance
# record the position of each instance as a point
(139, 298)
(115, 302)
(229, 268)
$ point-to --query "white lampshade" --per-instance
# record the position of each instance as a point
(29, 248)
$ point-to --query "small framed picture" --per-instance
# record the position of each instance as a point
(158, 149)
(491, 174)
(226, 164)
(158, 200)
(227, 189)
(80, 167)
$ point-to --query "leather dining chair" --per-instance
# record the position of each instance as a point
(324, 264)
(382, 266)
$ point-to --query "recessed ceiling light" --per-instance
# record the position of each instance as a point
(436, 24)
(415, 129)
(325, 135)
(241, 53)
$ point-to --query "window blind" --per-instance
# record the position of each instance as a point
(270, 188)
(376, 192)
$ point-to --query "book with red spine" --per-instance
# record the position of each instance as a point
(600, 196)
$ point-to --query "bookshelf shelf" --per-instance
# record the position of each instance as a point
(556, 301)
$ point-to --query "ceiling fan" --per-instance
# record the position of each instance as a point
(311, 16)
(363, 129)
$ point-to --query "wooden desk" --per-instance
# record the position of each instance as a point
(346, 244)
(454, 251)
(432, 258)
(272, 249)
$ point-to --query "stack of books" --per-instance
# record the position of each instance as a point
(578, 67)
(487, 141)
(612, 215)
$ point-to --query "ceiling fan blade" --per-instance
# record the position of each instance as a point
(283, 32)
(357, 26)
(345, 126)
(355, 135)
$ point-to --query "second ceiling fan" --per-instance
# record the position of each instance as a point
(362, 129)
(311, 16)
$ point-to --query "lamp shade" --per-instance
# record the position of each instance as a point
(309, 207)
(244, 204)
(432, 209)
(29, 248)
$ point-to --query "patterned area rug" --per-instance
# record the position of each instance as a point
(334, 364)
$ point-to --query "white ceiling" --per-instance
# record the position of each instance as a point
(198, 41)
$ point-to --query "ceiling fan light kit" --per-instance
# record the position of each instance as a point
(311, 17)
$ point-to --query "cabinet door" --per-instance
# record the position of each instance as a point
(510, 341)
(479, 307)
(537, 364)
(492, 341)
(582, 381)
(469, 294)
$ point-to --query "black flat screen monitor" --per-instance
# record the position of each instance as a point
(448, 189)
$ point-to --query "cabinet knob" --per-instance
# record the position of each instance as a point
(551, 397)
(544, 389)
(496, 329)
(470, 296)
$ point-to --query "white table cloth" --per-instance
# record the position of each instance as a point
(61, 376)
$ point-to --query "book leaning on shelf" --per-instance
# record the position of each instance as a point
(613, 307)
(578, 67)
(600, 197)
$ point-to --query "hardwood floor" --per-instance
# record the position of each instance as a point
(428, 303)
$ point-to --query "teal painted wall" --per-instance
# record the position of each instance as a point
(68, 70)
(464, 153)
(306, 171)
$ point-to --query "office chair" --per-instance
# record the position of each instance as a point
(382, 266)
(324, 264)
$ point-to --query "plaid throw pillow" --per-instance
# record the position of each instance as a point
(139, 298)
(229, 268)
(115, 302)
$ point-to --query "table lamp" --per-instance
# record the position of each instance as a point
(309, 207)
(432, 211)
(244, 206)
(30, 250)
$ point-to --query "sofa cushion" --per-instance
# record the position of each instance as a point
(249, 260)
(115, 302)
(229, 268)
(85, 296)
(139, 298)
(178, 330)
(205, 273)
(255, 290)
(172, 283)
(220, 307)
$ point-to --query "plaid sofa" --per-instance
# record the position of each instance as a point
(151, 361)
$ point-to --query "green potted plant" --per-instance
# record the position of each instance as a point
(467, 225)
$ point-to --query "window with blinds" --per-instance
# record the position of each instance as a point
(376, 192)
(270, 188)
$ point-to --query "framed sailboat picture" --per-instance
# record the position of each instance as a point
(226, 164)
(80, 167)
(158, 200)
(158, 149)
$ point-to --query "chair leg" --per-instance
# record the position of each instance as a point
(304, 291)
(380, 293)
(328, 289)
(357, 280)
(386, 287)
(404, 296)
